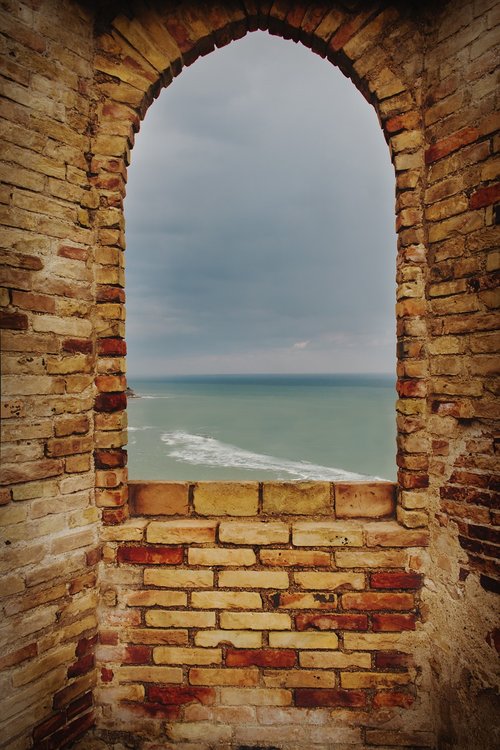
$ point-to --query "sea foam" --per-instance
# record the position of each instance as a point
(201, 450)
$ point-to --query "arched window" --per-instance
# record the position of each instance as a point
(260, 241)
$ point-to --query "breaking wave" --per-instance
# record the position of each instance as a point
(201, 450)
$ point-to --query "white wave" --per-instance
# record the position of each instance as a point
(139, 429)
(207, 451)
(154, 397)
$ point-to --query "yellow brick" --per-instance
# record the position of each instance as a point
(235, 677)
(41, 666)
(183, 531)
(373, 679)
(156, 599)
(237, 638)
(171, 675)
(113, 694)
(329, 581)
(255, 697)
(298, 558)
(253, 579)
(172, 655)
(377, 642)
(318, 600)
(130, 531)
(393, 535)
(157, 618)
(217, 556)
(253, 533)
(226, 498)
(255, 621)
(334, 660)
(225, 600)
(363, 558)
(299, 678)
(326, 534)
(179, 579)
(204, 732)
(156, 636)
(301, 498)
(303, 640)
(366, 500)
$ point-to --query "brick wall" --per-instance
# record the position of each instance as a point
(77, 78)
(254, 613)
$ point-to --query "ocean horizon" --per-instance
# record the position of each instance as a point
(323, 427)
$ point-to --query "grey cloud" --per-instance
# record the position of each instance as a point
(259, 213)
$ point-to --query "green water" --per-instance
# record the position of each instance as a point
(321, 427)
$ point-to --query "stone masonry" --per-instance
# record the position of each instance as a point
(357, 617)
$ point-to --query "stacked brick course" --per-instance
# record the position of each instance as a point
(228, 613)
(77, 78)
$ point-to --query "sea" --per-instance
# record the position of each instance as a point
(248, 427)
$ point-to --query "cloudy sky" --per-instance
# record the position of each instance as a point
(260, 221)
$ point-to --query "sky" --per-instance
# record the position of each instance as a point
(260, 221)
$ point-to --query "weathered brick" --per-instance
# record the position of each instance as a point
(173, 655)
(188, 531)
(236, 638)
(253, 579)
(226, 498)
(299, 498)
(329, 581)
(315, 697)
(327, 534)
(255, 621)
(229, 676)
(356, 680)
(226, 600)
(334, 660)
(318, 600)
(303, 640)
(374, 600)
(179, 579)
(150, 555)
(374, 500)
(179, 619)
(260, 533)
(323, 621)
(260, 658)
(158, 498)
(295, 558)
(221, 557)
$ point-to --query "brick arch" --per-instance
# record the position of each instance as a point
(139, 54)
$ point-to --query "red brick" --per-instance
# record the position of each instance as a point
(112, 347)
(115, 516)
(377, 600)
(263, 658)
(13, 321)
(413, 481)
(82, 346)
(110, 294)
(110, 459)
(485, 196)
(49, 726)
(93, 556)
(154, 710)
(383, 580)
(68, 735)
(137, 654)
(315, 697)
(493, 639)
(108, 637)
(110, 402)
(85, 646)
(451, 143)
(150, 555)
(389, 699)
(322, 621)
(392, 623)
(73, 253)
(106, 674)
(392, 660)
(406, 121)
(82, 666)
(178, 696)
(80, 704)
